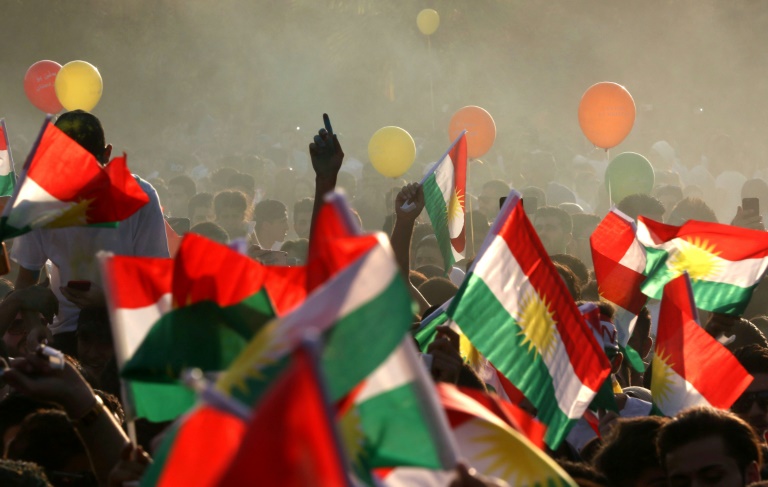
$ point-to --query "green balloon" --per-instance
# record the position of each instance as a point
(628, 173)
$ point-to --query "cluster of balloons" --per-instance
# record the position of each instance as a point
(392, 150)
(52, 87)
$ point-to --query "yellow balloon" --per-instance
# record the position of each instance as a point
(428, 21)
(78, 86)
(392, 151)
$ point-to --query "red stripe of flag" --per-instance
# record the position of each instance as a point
(458, 155)
(139, 281)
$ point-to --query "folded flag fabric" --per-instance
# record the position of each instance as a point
(445, 192)
(197, 310)
(291, 440)
(63, 185)
(393, 418)
(514, 308)
(619, 261)
(349, 311)
(690, 368)
(197, 450)
(487, 443)
(724, 263)
(7, 174)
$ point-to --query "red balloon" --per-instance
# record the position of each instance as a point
(39, 86)
(606, 114)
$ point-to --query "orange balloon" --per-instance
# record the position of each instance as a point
(480, 127)
(606, 114)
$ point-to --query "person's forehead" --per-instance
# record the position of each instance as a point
(699, 455)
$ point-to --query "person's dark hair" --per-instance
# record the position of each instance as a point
(15, 407)
(638, 204)
(304, 205)
(695, 424)
(497, 186)
(268, 210)
(429, 271)
(629, 449)
(221, 177)
(754, 358)
(212, 231)
(17, 473)
(85, 129)
(669, 189)
(570, 280)
(243, 182)
(230, 199)
(429, 240)
(438, 290)
(582, 222)
(534, 192)
(47, 438)
(574, 264)
(112, 403)
(416, 278)
(583, 473)
(185, 182)
(94, 321)
(754, 188)
(552, 211)
(691, 209)
(737, 332)
(200, 200)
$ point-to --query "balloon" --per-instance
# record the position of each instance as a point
(79, 86)
(392, 151)
(480, 127)
(38, 85)
(428, 21)
(606, 114)
(628, 173)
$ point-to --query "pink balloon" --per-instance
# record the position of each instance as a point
(39, 86)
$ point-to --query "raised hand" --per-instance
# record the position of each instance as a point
(446, 359)
(409, 202)
(326, 152)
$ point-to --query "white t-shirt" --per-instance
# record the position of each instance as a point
(72, 251)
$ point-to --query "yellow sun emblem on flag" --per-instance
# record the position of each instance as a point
(662, 377)
(265, 349)
(455, 205)
(537, 324)
(353, 437)
(697, 257)
(502, 455)
(73, 216)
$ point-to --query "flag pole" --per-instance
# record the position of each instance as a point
(467, 197)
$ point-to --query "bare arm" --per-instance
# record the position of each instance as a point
(412, 197)
(26, 278)
(327, 156)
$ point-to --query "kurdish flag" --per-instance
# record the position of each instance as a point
(197, 310)
(514, 308)
(724, 263)
(445, 191)
(393, 418)
(197, 450)
(619, 262)
(63, 185)
(291, 440)
(690, 368)
(490, 445)
(7, 174)
(362, 312)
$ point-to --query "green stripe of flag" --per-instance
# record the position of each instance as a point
(437, 210)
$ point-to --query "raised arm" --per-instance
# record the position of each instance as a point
(408, 205)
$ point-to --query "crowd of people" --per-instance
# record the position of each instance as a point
(66, 426)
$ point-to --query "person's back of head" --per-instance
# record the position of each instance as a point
(416, 278)
(438, 290)
(430, 271)
(85, 129)
(534, 193)
(734, 332)
(704, 438)
(48, 438)
(243, 182)
(756, 188)
(13, 409)
(212, 231)
(628, 453)
(691, 209)
(574, 264)
(17, 473)
(497, 187)
(571, 281)
(753, 357)
(583, 473)
(639, 204)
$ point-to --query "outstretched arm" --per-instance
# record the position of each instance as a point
(408, 205)
(327, 156)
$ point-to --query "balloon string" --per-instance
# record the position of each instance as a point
(608, 161)
(431, 84)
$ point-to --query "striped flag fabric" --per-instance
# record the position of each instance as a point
(619, 262)
(515, 309)
(394, 418)
(445, 193)
(63, 185)
(7, 173)
(690, 368)
(725, 263)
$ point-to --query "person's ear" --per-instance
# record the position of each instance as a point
(106, 154)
